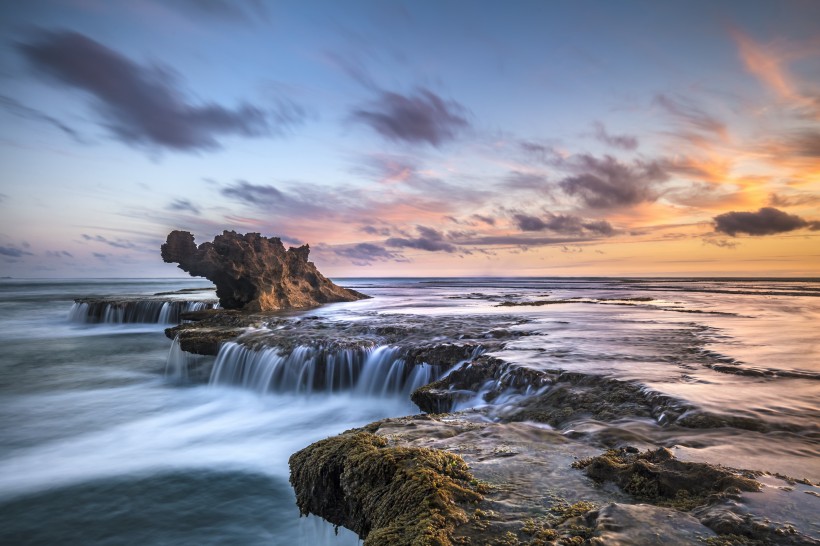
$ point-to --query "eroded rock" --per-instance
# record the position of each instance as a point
(387, 495)
(255, 273)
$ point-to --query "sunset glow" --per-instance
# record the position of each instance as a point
(410, 139)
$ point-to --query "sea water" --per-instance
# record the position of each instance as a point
(100, 443)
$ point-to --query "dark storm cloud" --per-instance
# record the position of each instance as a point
(140, 105)
(623, 142)
(766, 221)
(562, 223)
(183, 205)
(367, 253)
(690, 115)
(608, 183)
(423, 117)
(429, 239)
(22, 111)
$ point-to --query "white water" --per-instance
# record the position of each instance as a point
(146, 311)
(380, 371)
(97, 446)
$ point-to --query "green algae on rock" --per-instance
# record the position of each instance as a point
(387, 495)
(658, 477)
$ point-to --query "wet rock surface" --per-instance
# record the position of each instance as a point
(548, 450)
(255, 273)
(527, 485)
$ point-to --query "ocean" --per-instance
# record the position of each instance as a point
(104, 439)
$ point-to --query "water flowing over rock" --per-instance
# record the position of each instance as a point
(132, 311)
(255, 273)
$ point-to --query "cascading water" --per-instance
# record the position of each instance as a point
(131, 312)
(379, 371)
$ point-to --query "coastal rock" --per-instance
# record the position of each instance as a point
(255, 273)
(387, 495)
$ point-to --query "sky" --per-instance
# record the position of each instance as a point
(418, 138)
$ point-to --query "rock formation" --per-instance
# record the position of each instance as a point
(255, 273)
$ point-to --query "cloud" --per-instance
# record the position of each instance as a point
(22, 111)
(429, 239)
(13, 252)
(691, 115)
(542, 153)
(769, 64)
(720, 243)
(766, 221)
(423, 117)
(562, 223)
(235, 11)
(804, 143)
(623, 142)
(518, 180)
(118, 243)
(367, 253)
(59, 254)
(100, 255)
(139, 104)
(184, 205)
(376, 231)
(489, 220)
(777, 200)
(608, 183)
(301, 201)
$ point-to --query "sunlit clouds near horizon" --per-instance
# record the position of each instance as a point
(414, 138)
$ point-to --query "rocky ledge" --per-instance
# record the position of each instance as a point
(459, 479)
(255, 273)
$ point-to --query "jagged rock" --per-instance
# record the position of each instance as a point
(255, 273)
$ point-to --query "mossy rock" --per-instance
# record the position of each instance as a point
(387, 495)
(658, 477)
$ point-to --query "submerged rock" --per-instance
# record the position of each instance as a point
(255, 273)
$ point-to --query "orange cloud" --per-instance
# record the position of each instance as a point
(769, 66)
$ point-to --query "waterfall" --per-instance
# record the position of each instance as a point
(137, 311)
(185, 367)
(378, 371)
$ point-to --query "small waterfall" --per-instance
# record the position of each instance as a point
(184, 367)
(379, 371)
(137, 311)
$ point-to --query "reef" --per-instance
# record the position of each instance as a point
(460, 479)
(255, 273)
(512, 450)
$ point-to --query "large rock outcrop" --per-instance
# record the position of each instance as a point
(255, 273)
